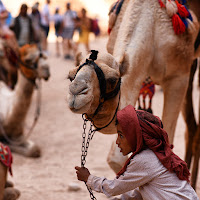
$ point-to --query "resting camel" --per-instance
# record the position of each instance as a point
(142, 38)
(14, 104)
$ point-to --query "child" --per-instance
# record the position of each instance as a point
(153, 171)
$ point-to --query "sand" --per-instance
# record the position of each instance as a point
(59, 134)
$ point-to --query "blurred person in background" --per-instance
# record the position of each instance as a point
(36, 22)
(5, 32)
(68, 26)
(57, 19)
(22, 27)
(84, 25)
(45, 20)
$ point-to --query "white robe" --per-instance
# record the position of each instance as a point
(144, 179)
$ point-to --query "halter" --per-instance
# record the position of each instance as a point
(102, 84)
(34, 66)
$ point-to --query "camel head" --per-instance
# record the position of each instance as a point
(33, 63)
(95, 88)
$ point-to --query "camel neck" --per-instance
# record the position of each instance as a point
(21, 103)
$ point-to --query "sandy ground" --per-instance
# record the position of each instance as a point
(59, 134)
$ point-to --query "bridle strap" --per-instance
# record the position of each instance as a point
(102, 81)
(35, 65)
(32, 67)
(99, 73)
(100, 128)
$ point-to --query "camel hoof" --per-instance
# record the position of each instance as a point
(28, 149)
(9, 184)
(11, 194)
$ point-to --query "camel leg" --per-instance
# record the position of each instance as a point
(144, 103)
(3, 176)
(27, 148)
(196, 153)
(188, 115)
(174, 93)
(115, 158)
(139, 106)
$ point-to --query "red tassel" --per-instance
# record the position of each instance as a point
(182, 11)
(162, 5)
(178, 25)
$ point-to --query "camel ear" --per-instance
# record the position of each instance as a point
(78, 59)
(124, 64)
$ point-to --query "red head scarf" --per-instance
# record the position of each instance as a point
(144, 130)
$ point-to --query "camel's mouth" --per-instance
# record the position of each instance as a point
(80, 102)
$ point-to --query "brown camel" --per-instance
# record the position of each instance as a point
(145, 39)
(14, 104)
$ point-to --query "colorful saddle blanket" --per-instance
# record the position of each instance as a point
(148, 88)
(6, 156)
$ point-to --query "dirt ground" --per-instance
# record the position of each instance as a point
(59, 134)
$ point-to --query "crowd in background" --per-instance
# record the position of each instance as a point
(34, 27)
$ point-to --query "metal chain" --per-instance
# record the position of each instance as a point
(84, 149)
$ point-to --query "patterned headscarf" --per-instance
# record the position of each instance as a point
(144, 130)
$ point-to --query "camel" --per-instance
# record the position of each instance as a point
(143, 37)
(14, 104)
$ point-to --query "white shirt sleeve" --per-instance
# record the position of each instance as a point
(135, 176)
(133, 194)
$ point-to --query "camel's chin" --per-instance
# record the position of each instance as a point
(82, 109)
(79, 105)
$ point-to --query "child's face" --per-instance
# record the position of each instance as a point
(122, 142)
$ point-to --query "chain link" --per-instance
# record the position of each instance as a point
(85, 147)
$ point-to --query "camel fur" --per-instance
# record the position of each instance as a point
(143, 31)
(14, 104)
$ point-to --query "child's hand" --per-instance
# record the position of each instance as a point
(82, 173)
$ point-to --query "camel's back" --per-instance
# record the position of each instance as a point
(146, 31)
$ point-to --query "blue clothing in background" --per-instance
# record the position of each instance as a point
(9, 19)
